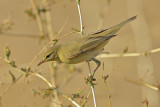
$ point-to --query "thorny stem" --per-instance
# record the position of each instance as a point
(90, 73)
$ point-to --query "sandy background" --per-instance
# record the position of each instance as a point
(23, 50)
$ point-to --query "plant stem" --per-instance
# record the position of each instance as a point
(90, 73)
(92, 86)
(146, 53)
(48, 20)
(51, 37)
(80, 16)
(143, 42)
(77, 105)
(38, 18)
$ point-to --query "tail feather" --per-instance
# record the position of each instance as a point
(114, 29)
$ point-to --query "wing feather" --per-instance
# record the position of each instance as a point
(87, 44)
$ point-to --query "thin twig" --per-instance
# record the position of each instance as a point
(86, 99)
(53, 81)
(48, 20)
(145, 102)
(38, 18)
(29, 73)
(77, 105)
(104, 78)
(18, 35)
(61, 29)
(50, 85)
(0, 102)
(50, 32)
(51, 37)
(107, 93)
(34, 59)
(92, 86)
(41, 77)
(80, 16)
(90, 73)
(143, 83)
(106, 55)
(60, 37)
(6, 90)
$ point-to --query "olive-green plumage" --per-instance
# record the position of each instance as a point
(84, 48)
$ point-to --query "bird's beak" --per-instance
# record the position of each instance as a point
(41, 63)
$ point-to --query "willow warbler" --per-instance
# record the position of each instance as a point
(84, 48)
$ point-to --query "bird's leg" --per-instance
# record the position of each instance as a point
(98, 64)
(90, 79)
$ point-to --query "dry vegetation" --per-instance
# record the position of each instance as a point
(28, 28)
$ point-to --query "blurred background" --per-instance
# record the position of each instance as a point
(138, 36)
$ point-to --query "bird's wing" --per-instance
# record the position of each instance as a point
(93, 40)
(87, 44)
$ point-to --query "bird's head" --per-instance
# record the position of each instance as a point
(50, 55)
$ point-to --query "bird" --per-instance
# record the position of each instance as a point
(84, 48)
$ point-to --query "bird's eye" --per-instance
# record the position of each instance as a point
(47, 56)
(50, 54)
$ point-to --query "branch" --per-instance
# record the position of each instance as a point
(105, 78)
(80, 16)
(147, 53)
(6, 90)
(90, 73)
(144, 84)
(27, 73)
(19, 35)
(92, 86)
(38, 18)
(41, 77)
(77, 105)
(48, 20)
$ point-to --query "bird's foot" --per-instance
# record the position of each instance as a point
(91, 80)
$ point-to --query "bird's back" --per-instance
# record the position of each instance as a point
(86, 47)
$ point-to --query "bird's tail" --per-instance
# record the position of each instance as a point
(114, 29)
